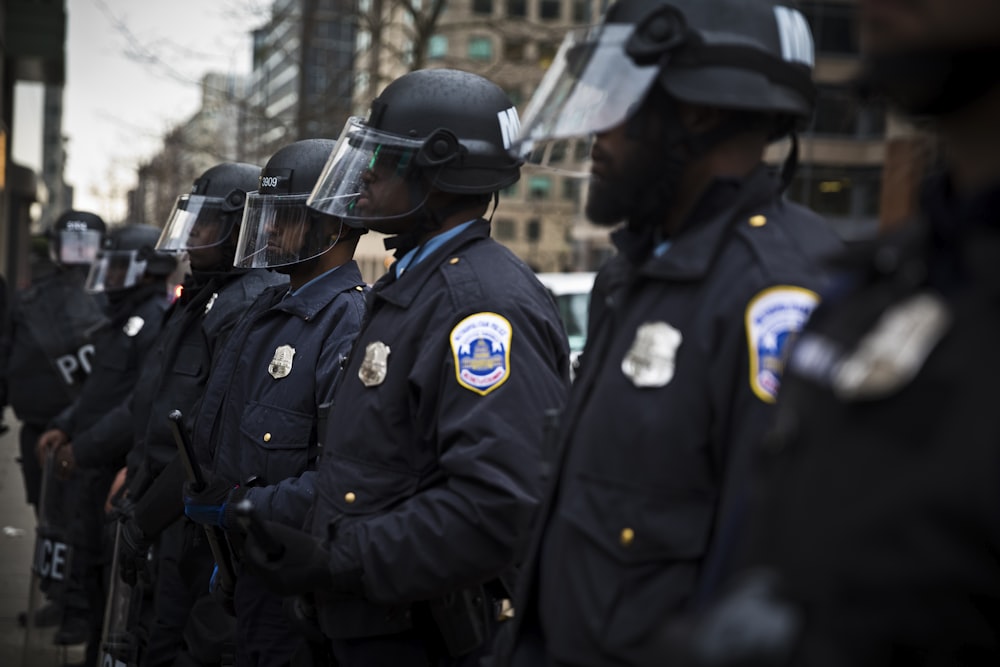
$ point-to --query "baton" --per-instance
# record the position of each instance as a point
(213, 534)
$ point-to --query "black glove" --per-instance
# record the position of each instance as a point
(208, 505)
(133, 552)
(299, 565)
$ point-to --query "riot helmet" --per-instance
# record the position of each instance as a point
(208, 216)
(741, 55)
(75, 238)
(128, 255)
(429, 130)
(278, 229)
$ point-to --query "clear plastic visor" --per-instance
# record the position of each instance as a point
(115, 270)
(591, 86)
(196, 221)
(370, 175)
(78, 246)
(279, 230)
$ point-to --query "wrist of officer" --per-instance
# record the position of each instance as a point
(227, 514)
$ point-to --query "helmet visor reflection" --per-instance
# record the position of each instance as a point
(370, 175)
(591, 86)
(279, 230)
(115, 270)
(78, 246)
(195, 222)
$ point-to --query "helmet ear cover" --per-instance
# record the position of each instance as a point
(659, 34)
(440, 148)
(234, 201)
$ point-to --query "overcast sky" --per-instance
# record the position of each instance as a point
(132, 72)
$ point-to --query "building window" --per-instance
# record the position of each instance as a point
(840, 113)
(504, 229)
(838, 192)
(517, 8)
(548, 10)
(581, 11)
(511, 191)
(571, 189)
(437, 47)
(482, 7)
(480, 48)
(513, 50)
(533, 230)
(539, 187)
(834, 26)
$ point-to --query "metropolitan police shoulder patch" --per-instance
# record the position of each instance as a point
(480, 345)
(773, 319)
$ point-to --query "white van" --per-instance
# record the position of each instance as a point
(572, 295)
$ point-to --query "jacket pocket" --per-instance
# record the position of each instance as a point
(359, 488)
(283, 441)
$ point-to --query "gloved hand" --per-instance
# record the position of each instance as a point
(208, 505)
(302, 565)
(133, 552)
(48, 442)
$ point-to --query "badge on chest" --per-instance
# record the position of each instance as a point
(652, 357)
(281, 363)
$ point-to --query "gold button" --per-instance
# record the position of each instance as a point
(267, 437)
(453, 260)
(359, 288)
(350, 497)
(627, 536)
(758, 221)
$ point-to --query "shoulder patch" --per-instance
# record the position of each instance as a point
(480, 345)
(773, 318)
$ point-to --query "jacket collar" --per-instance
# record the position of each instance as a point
(308, 303)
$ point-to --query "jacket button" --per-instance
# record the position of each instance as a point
(758, 221)
(453, 260)
(267, 437)
(626, 537)
(349, 497)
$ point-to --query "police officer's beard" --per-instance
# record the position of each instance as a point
(640, 193)
(931, 82)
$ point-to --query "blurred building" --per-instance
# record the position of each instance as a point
(318, 61)
(211, 135)
(32, 49)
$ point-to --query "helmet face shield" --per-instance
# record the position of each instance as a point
(116, 270)
(370, 176)
(78, 246)
(278, 230)
(196, 221)
(592, 86)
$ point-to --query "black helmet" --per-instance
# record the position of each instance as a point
(207, 215)
(439, 129)
(278, 229)
(75, 238)
(751, 55)
(127, 255)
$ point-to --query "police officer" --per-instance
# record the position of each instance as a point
(204, 224)
(715, 272)
(48, 335)
(258, 424)
(875, 524)
(432, 467)
(91, 437)
(47, 351)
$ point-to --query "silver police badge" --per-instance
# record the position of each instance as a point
(651, 359)
(211, 302)
(133, 326)
(375, 364)
(892, 354)
(281, 364)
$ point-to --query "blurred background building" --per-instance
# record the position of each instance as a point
(316, 62)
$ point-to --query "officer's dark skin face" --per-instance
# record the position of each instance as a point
(206, 257)
(616, 168)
